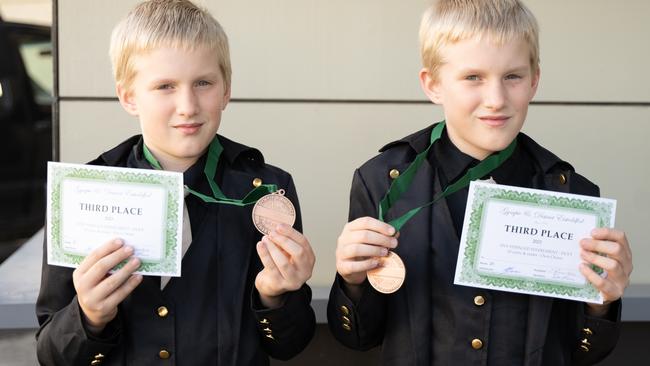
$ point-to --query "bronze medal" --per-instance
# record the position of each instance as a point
(389, 276)
(271, 210)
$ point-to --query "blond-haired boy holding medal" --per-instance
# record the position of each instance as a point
(242, 296)
(481, 64)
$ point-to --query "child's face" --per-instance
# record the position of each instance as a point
(484, 90)
(178, 96)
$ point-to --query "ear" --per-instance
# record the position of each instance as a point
(127, 99)
(535, 83)
(430, 86)
(226, 98)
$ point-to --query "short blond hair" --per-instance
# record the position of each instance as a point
(155, 24)
(450, 21)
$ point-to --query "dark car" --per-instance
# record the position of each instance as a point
(25, 126)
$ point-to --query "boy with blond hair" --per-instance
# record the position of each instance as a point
(481, 64)
(237, 302)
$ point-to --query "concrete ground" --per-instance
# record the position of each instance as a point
(18, 347)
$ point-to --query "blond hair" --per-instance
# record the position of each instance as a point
(165, 23)
(450, 21)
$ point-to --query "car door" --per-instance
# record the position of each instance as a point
(25, 126)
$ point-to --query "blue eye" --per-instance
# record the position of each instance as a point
(472, 77)
(203, 83)
(513, 76)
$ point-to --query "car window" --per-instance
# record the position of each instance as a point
(37, 57)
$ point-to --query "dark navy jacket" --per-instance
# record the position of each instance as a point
(214, 316)
(401, 323)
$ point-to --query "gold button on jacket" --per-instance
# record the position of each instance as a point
(344, 310)
(477, 343)
(394, 173)
(162, 311)
(164, 354)
(257, 182)
(479, 300)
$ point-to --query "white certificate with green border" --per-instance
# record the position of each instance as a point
(89, 205)
(527, 240)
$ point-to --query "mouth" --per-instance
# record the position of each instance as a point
(494, 121)
(188, 128)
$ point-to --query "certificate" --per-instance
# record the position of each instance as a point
(90, 205)
(527, 240)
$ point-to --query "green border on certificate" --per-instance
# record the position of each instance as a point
(485, 194)
(169, 182)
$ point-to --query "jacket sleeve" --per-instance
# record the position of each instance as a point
(357, 324)
(285, 331)
(597, 337)
(62, 338)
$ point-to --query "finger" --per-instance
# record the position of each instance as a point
(98, 271)
(123, 291)
(603, 233)
(372, 238)
(99, 253)
(265, 256)
(608, 264)
(369, 223)
(116, 279)
(293, 234)
(362, 250)
(613, 235)
(287, 244)
(280, 259)
(351, 267)
(607, 288)
(610, 248)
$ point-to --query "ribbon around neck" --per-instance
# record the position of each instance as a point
(402, 183)
(214, 153)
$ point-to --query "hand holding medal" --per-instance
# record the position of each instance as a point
(285, 253)
(362, 247)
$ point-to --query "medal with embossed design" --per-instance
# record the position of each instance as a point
(271, 210)
(389, 276)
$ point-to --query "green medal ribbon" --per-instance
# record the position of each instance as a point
(210, 170)
(402, 183)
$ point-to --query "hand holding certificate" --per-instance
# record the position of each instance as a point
(528, 241)
(615, 258)
(91, 205)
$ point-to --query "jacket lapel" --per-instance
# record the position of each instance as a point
(236, 240)
(414, 248)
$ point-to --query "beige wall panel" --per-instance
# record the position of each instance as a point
(90, 128)
(322, 144)
(84, 66)
(592, 50)
(27, 11)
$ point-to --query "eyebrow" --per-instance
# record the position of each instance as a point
(158, 81)
(473, 70)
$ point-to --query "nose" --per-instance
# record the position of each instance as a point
(495, 95)
(187, 104)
